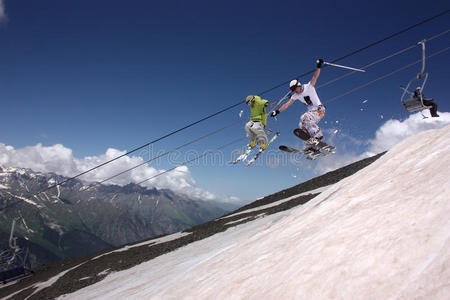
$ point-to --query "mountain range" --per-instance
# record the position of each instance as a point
(73, 220)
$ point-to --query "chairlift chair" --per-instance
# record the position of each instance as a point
(13, 261)
(413, 101)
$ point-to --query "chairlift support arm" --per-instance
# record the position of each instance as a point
(12, 239)
(419, 76)
(422, 43)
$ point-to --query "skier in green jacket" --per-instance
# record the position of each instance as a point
(255, 128)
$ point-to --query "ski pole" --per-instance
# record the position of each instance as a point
(341, 66)
(275, 105)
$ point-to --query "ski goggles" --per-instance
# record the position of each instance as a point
(292, 88)
(249, 99)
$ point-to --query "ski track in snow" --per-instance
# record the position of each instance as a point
(381, 233)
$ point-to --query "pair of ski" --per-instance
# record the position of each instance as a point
(310, 154)
(249, 149)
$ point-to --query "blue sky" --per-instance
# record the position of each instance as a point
(93, 75)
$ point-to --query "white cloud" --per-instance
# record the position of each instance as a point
(3, 17)
(388, 135)
(394, 131)
(60, 160)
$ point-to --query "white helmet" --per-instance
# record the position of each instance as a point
(294, 83)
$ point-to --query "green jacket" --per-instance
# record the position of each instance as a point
(258, 111)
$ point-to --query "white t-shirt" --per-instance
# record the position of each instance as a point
(308, 96)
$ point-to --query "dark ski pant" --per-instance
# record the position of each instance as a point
(434, 107)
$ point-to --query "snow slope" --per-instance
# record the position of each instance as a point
(382, 233)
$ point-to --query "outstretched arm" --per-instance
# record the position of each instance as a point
(282, 108)
(317, 72)
(286, 105)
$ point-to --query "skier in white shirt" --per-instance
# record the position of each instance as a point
(306, 93)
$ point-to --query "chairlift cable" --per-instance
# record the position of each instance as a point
(385, 76)
(239, 103)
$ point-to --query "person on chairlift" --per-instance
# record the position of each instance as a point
(427, 102)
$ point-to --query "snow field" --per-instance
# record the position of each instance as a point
(382, 233)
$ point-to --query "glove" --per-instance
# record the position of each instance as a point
(319, 63)
(274, 113)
